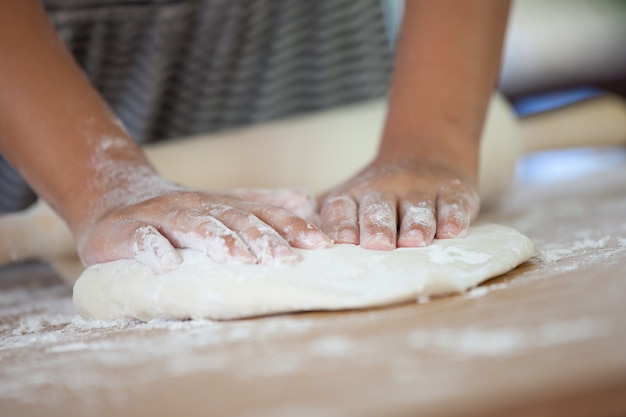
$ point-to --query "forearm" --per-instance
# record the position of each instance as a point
(446, 68)
(54, 127)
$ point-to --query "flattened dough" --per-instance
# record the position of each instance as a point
(342, 277)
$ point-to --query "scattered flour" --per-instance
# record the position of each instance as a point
(567, 248)
(40, 333)
(332, 346)
(581, 253)
(556, 252)
(423, 216)
(423, 299)
(483, 290)
(73, 344)
(507, 341)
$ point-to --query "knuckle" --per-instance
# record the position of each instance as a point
(419, 217)
(338, 201)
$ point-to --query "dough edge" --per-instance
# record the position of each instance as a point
(343, 277)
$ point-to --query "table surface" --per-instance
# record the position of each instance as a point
(547, 338)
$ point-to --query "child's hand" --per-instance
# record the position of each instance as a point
(56, 129)
(421, 185)
(225, 227)
(403, 204)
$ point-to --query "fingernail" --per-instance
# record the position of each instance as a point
(317, 240)
(347, 236)
(412, 239)
(378, 241)
(449, 231)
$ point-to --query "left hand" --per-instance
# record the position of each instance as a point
(399, 204)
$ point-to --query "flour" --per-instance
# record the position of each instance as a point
(417, 215)
(581, 253)
(418, 226)
(124, 181)
(442, 256)
(150, 248)
(269, 247)
(507, 341)
(567, 248)
(332, 345)
(111, 142)
(47, 324)
(339, 213)
(209, 237)
(378, 217)
(73, 347)
(310, 240)
(420, 214)
(423, 299)
(556, 252)
(483, 290)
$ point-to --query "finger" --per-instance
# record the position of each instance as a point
(377, 221)
(211, 237)
(417, 223)
(296, 231)
(299, 202)
(265, 243)
(152, 249)
(457, 205)
(131, 240)
(339, 219)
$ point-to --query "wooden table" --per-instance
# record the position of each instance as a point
(548, 338)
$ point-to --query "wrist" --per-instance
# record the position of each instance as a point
(113, 184)
(455, 153)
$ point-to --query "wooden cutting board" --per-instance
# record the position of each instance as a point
(548, 338)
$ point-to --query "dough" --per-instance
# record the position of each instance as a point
(342, 277)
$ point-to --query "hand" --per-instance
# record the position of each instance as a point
(399, 204)
(299, 202)
(422, 184)
(225, 227)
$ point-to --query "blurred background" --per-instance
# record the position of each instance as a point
(179, 67)
(560, 53)
(173, 68)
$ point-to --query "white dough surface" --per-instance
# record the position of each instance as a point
(343, 277)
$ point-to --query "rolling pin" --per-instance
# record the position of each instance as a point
(315, 152)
